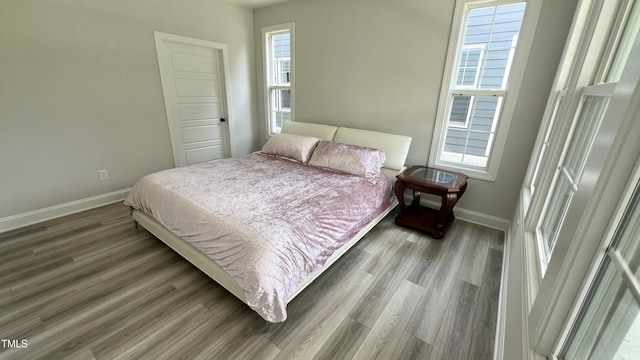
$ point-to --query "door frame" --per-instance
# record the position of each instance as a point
(227, 133)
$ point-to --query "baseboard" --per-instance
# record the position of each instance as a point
(471, 216)
(475, 217)
(52, 212)
(501, 322)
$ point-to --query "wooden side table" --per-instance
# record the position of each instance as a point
(450, 186)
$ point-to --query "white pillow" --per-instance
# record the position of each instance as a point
(296, 147)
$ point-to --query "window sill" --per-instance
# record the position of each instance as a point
(472, 173)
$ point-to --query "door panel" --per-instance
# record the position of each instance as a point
(201, 111)
(191, 75)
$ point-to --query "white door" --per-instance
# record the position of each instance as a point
(192, 84)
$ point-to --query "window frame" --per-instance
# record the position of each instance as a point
(604, 91)
(607, 258)
(482, 50)
(467, 118)
(582, 240)
(552, 296)
(594, 34)
(514, 80)
(269, 88)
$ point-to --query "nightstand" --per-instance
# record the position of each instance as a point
(450, 186)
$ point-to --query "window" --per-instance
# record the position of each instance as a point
(608, 326)
(278, 71)
(623, 35)
(586, 79)
(469, 68)
(593, 105)
(586, 152)
(477, 80)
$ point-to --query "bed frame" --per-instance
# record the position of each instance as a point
(395, 148)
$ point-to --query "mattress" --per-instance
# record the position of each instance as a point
(268, 222)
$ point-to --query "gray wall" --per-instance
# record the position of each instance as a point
(388, 73)
(80, 91)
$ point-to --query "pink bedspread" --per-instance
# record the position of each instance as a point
(266, 221)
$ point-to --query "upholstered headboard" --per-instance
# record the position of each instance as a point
(395, 147)
(323, 132)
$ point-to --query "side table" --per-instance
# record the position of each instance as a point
(450, 186)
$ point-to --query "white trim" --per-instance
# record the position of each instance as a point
(527, 32)
(501, 322)
(607, 170)
(471, 216)
(68, 208)
(475, 217)
(266, 71)
(226, 88)
(468, 48)
(567, 83)
(594, 266)
(227, 133)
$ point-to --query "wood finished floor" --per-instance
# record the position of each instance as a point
(90, 286)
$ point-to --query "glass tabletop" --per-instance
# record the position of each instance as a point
(433, 175)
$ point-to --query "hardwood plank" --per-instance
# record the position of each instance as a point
(486, 317)
(232, 332)
(5, 296)
(195, 314)
(344, 341)
(19, 328)
(54, 297)
(457, 238)
(314, 332)
(385, 231)
(89, 286)
(140, 264)
(10, 245)
(410, 347)
(496, 239)
(391, 269)
(173, 337)
(475, 258)
(387, 331)
(128, 322)
(130, 244)
(322, 290)
(83, 354)
(22, 232)
(481, 347)
(86, 238)
(426, 319)
(255, 347)
(91, 215)
(32, 267)
(59, 338)
(160, 280)
(136, 325)
(424, 270)
(395, 243)
(76, 269)
(16, 255)
(454, 336)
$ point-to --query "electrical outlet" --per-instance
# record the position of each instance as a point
(104, 175)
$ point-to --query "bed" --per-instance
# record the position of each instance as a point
(265, 225)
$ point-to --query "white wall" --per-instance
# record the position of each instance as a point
(80, 91)
(378, 64)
